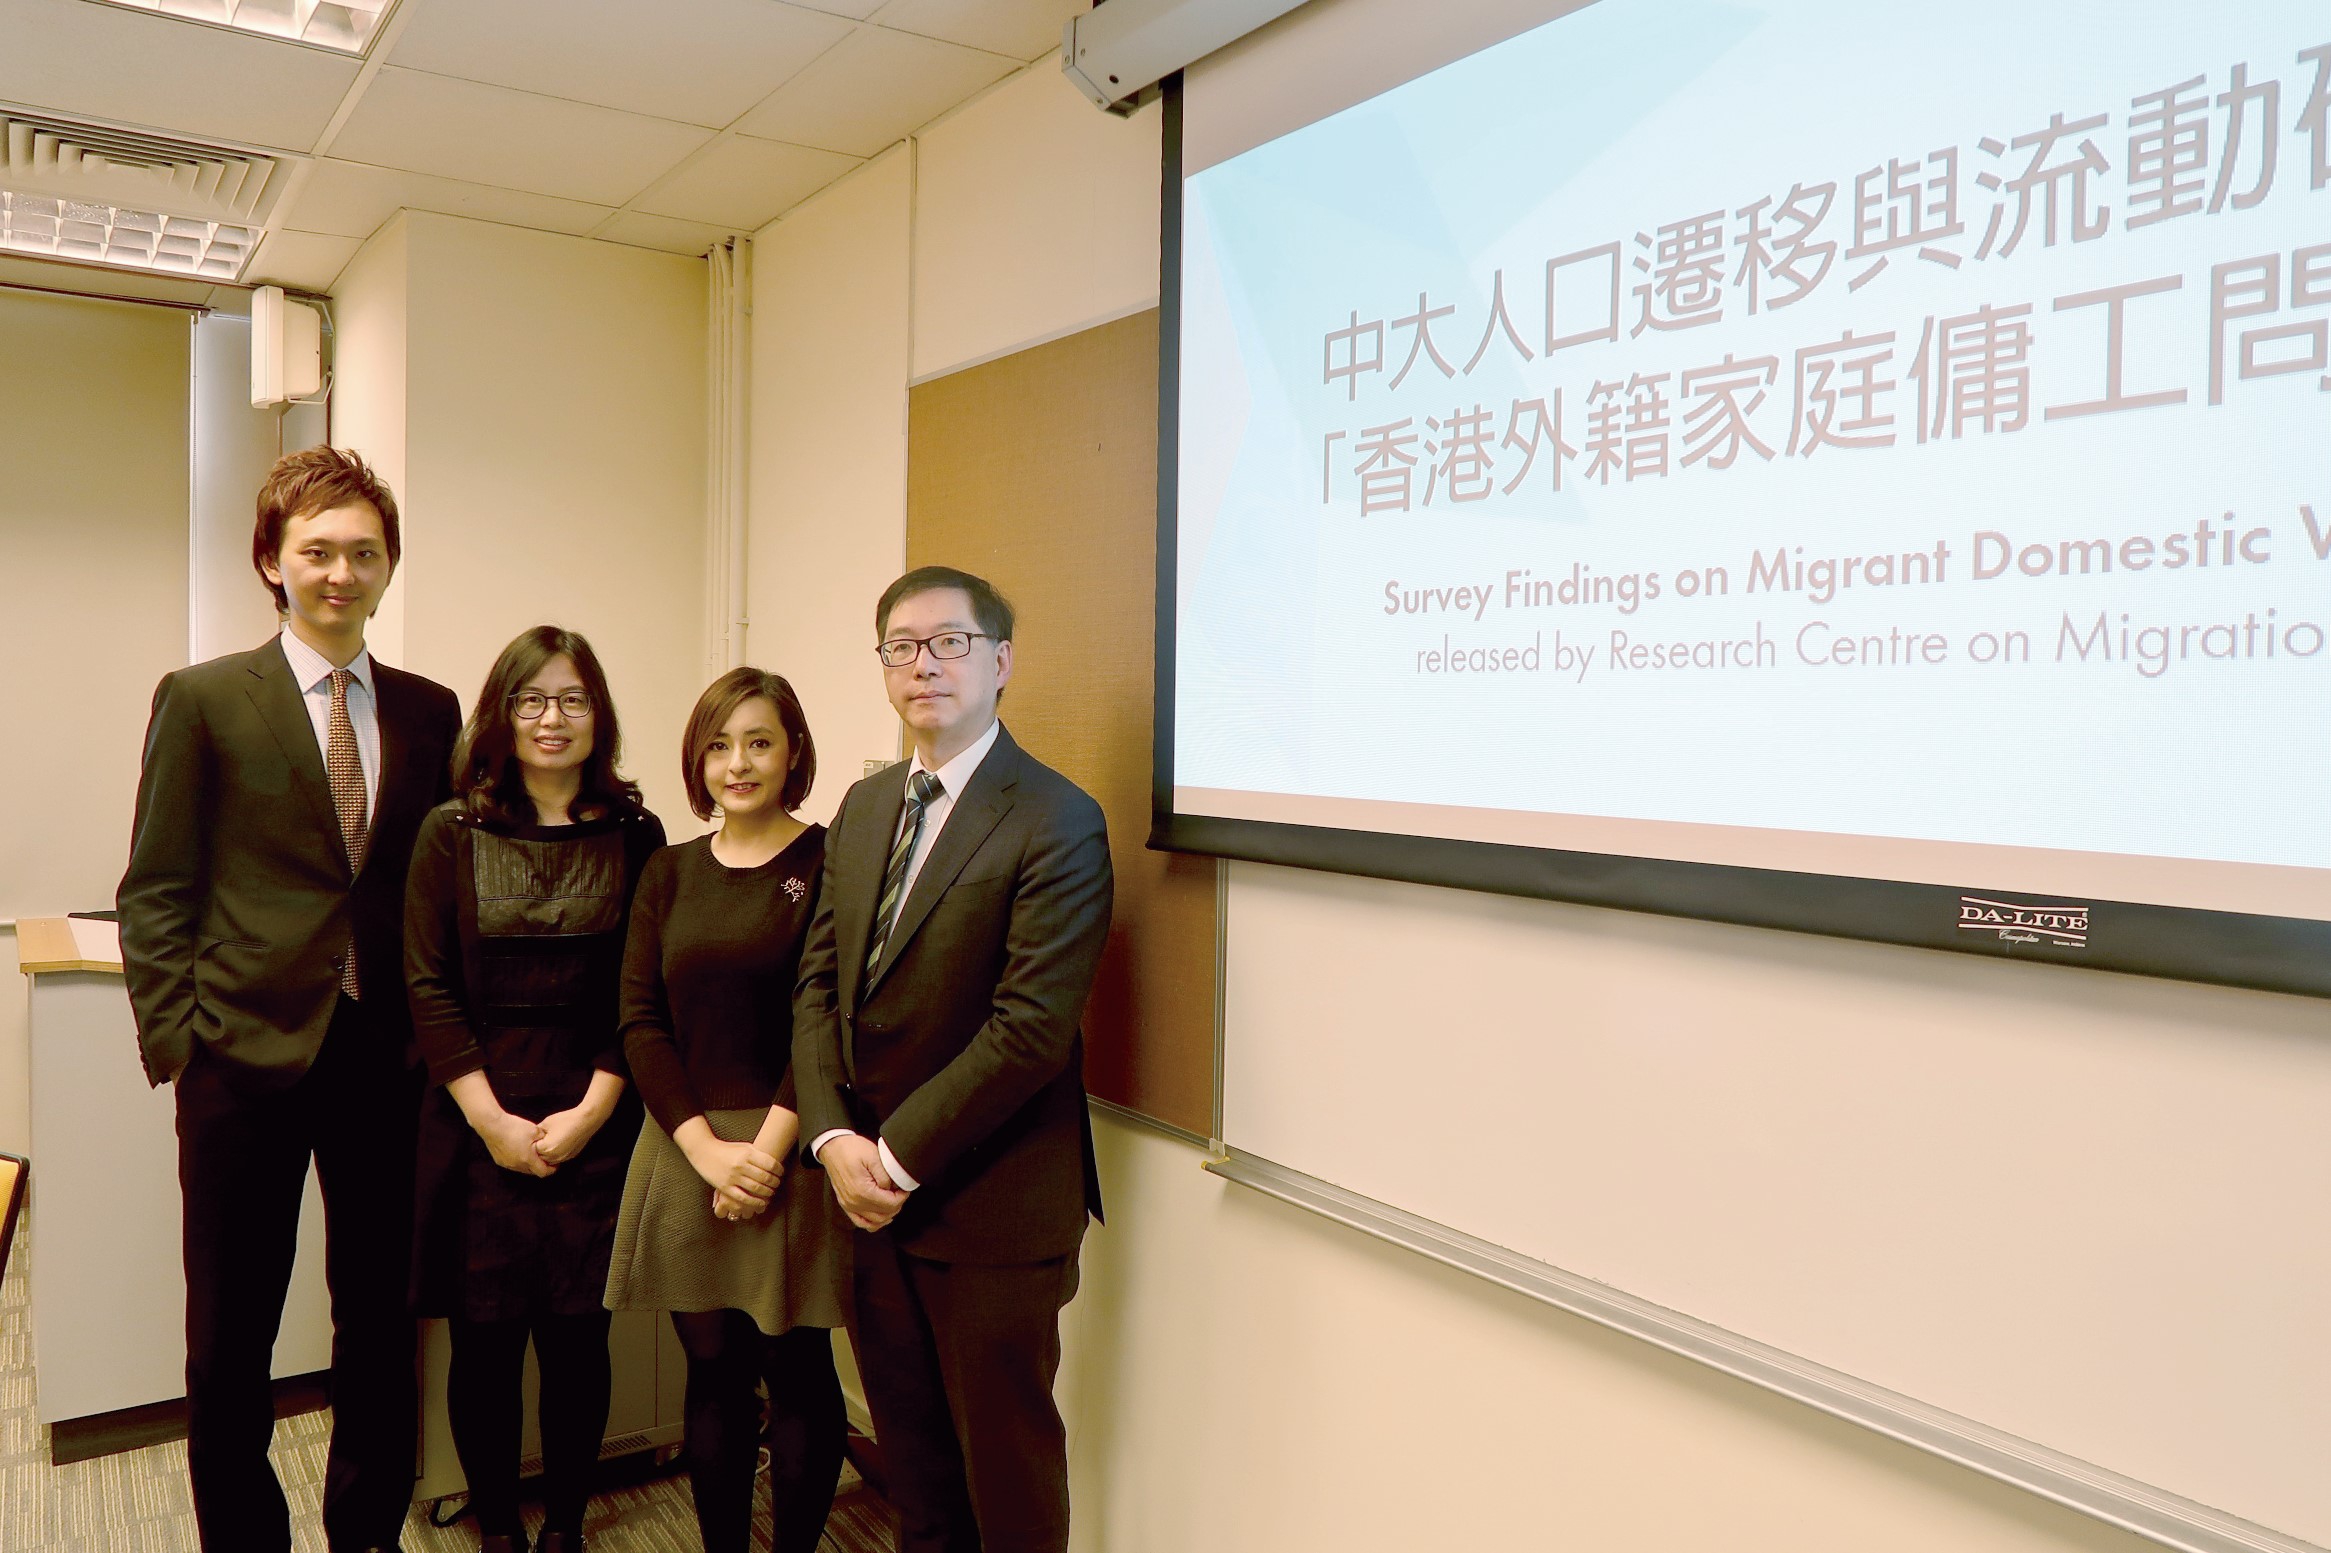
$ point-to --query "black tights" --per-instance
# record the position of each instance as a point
(483, 1404)
(727, 1353)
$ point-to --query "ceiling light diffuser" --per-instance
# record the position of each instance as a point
(346, 26)
(49, 228)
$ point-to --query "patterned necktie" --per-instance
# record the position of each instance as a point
(346, 773)
(920, 792)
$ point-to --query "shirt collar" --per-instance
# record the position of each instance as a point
(956, 774)
(310, 668)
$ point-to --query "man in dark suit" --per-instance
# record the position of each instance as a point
(940, 1074)
(261, 929)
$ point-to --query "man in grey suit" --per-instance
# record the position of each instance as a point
(939, 1066)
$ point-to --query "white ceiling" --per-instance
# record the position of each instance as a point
(658, 123)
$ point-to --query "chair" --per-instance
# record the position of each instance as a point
(13, 1172)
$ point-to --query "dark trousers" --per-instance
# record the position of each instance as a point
(727, 1356)
(243, 1151)
(958, 1361)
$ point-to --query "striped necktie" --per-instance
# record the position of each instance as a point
(346, 773)
(920, 791)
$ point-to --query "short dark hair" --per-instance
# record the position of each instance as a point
(311, 481)
(486, 774)
(717, 705)
(991, 609)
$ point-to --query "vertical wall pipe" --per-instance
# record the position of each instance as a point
(739, 407)
(728, 360)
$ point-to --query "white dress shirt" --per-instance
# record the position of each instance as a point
(953, 777)
(312, 672)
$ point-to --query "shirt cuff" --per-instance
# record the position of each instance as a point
(899, 1178)
(817, 1145)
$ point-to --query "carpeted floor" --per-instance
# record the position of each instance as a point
(136, 1502)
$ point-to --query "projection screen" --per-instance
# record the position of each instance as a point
(1864, 469)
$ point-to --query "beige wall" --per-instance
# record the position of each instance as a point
(538, 402)
(2016, 1192)
(828, 458)
(369, 311)
(234, 446)
(1035, 216)
(1241, 1375)
(917, 264)
(1245, 1377)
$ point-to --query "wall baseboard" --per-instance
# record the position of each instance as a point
(156, 1423)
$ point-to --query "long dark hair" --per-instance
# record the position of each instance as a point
(487, 775)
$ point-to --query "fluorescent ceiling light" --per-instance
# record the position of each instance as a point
(50, 228)
(346, 26)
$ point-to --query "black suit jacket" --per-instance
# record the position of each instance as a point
(237, 903)
(962, 1050)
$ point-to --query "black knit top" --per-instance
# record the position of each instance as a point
(707, 1004)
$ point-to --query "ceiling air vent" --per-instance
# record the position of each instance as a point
(95, 195)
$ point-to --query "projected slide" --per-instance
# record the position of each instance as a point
(1880, 440)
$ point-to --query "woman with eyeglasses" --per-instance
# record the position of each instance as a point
(515, 915)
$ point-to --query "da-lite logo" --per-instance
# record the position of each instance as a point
(2020, 922)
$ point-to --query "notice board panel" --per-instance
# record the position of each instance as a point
(1038, 471)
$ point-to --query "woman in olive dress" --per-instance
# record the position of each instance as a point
(747, 1255)
(515, 915)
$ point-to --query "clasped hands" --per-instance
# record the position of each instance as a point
(532, 1148)
(743, 1176)
(537, 1148)
(862, 1185)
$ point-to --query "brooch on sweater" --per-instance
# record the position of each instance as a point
(795, 889)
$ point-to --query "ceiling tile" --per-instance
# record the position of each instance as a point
(349, 199)
(1024, 29)
(160, 73)
(872, 88)
(741, 183)
(695, 61)
(861, 9)
(300, 261)
(513, 140)
(640, 230)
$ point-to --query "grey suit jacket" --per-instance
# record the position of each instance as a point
(237, 904)
(962, 1050)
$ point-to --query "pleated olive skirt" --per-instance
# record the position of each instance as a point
(785, 1267)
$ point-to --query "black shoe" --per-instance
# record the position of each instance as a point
(559, 1542)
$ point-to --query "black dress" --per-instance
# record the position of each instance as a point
(708, 1028)
(513, 947)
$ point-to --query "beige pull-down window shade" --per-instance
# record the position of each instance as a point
(93, 580)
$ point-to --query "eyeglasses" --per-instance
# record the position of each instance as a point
(900, 651)
(531, 704)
